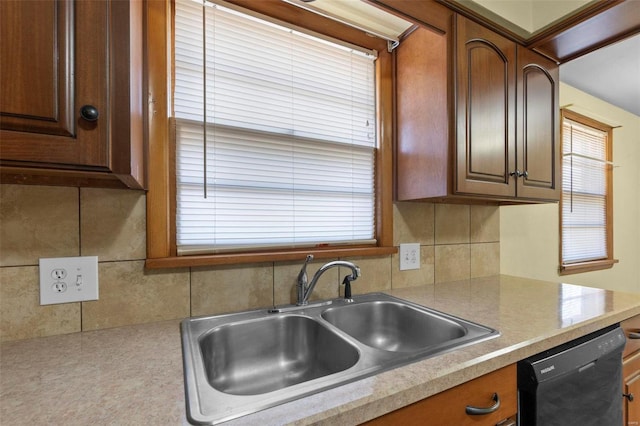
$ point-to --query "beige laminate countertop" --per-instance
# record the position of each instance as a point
(133, 375)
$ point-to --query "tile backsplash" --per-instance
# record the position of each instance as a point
(457, 242)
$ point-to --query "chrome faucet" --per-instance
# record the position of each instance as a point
(305, 288)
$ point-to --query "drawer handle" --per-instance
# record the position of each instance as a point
(634, 335)
(629, 396)
(478, 411)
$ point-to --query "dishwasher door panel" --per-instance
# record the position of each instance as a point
(577, 385)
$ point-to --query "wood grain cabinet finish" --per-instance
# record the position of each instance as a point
(450, 407)
(486, 111)
(538, 126)
(631, 372)
(56, 57)
(477, 117)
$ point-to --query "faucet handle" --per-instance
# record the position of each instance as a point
(347, 286)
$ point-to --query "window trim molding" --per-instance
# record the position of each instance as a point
(597, 264)
(161, 232)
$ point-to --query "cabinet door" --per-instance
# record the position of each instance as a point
(36, 66)
(422, 154)
(538, 127)
(631, 372)
(485, 118)
(54, 60)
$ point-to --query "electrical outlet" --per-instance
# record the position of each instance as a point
(409, 256)
(68, 279)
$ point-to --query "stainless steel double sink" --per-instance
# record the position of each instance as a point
(241, 363)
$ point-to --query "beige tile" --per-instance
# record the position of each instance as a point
(376, 275)
(414, 277)
(129, 294)
(37, 221)
(452, 262)
(113, 224)
(485, 259)
(452, 224)
(485, 224)
(285, 277)
(234, 288)
(413, 223)
(22, 317)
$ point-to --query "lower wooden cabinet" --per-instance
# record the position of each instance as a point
(631, 390)
(450, 407)
(631, 372)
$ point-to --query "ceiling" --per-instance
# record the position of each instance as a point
(525, 17)
(611, 73)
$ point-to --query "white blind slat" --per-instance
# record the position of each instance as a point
(289, 124)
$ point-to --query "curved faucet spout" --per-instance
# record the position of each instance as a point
(305, 290)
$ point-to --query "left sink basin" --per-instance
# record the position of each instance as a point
(259, 356)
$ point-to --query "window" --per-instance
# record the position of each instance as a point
(339, 165)
(586, 206)
(275, 134)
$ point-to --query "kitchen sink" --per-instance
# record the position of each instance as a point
(260, 356)
(238, 364)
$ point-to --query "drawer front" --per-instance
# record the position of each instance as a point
(449, 407)
(631, 329)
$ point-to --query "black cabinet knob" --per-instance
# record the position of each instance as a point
(89, 113)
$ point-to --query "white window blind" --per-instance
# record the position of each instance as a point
(275, 134)
(584, 193)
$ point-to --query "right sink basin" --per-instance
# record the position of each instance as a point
(394, 326)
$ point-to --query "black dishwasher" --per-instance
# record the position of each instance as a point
(578, 383)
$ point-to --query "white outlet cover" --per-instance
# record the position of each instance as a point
(68, 279)
(409, 256)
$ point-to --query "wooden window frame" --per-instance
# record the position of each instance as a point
(161, 229)
(598, 264)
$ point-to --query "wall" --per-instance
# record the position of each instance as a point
(458, 242)
(529, 245)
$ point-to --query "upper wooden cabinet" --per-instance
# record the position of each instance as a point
(507, 117)
(477, 117)
(71, 98)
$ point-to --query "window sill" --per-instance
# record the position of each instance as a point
(595, 265)
(259, 257)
